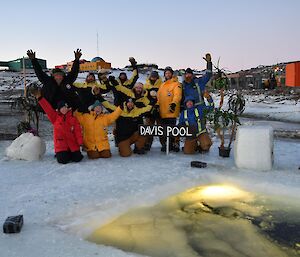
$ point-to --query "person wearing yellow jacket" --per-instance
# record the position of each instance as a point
(84, 91)
(168, 99)
(151, 86)
(94, 126)
(127, 129)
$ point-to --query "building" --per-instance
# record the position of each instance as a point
(292, 74)
(17, 65)
(95, 64)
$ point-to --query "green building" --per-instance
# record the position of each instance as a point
(17, 65)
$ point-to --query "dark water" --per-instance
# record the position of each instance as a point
(213, 220)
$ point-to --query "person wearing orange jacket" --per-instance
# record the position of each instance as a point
(94, 126)
(168, 98)
(67, 134)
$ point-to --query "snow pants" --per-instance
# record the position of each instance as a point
(65, 157)
(97, 154)
(203, 141)
(150, 121)
(163, 139)
(125, 145)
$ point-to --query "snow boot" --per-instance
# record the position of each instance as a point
(139, 151)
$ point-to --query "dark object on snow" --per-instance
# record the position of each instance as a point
(13, 224)
(197, 164)
(224, 151)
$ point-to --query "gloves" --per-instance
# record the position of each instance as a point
(95, 90)
(31, 54)
(112, 80)
(133, 62)
(207, 57)
(172, 107)
(122, 106)
(77, 54)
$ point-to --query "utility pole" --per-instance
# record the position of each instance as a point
(97, 45)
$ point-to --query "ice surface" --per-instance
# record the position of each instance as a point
(26, 147)
(254, 147)
(56, 200)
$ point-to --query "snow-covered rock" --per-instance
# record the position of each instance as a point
(26, 147)
(254, 148)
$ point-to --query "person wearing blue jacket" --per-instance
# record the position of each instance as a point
(193, 117)
(193, 87)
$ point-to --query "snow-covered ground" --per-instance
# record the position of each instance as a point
(56, 199)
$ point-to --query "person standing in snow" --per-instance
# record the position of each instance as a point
(94, 126)
(152, 85)
(67, 134)
(59, 86)
(168, 98)
(195, 88)
(194, 117)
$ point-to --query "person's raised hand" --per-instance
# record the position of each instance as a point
(77, 54)
(31, 54)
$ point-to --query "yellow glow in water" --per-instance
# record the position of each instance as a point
(222, 191)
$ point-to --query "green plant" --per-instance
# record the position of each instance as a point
(226, 121)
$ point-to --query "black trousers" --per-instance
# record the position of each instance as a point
(68, 156)
(167, 122)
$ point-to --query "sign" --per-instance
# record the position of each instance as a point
(165, 131)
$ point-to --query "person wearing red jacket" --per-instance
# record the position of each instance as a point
(67, 133)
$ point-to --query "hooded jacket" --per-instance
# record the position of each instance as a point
(55, 93)
(95, 129)
(195, 117)
(67, 134)
(169, 92)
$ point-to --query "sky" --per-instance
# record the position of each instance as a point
(176, 33)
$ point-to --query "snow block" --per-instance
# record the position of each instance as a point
(253, 148)
(26, 147)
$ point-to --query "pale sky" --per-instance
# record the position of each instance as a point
(174, 33)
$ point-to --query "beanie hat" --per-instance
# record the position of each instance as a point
(154, 74)
(61, 104)
(168, 68)
(189, 70)
(189, 98)
(138, 84)
(57, 70)
(122, 73)
(95, 104)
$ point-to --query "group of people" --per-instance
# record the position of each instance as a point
(76, 110)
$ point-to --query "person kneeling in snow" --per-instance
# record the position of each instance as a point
(67, 131)
(127, 129)
(94, 126)
(194, 118)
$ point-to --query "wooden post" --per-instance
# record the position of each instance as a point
(24, 74)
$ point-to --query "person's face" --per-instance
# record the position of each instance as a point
(103, 77)
(123, 77)
(189, 104)
(138, 89)
(130, 105)
(98, 109)
(153, 80)
(58, 77)
(168, 75)
(90, 79)
(188, 76)
(64, 110)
